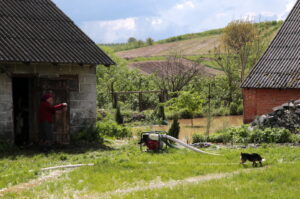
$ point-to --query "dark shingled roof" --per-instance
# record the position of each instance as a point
(38, 31)
(279, 67)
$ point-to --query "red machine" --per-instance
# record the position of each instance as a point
(153, 141)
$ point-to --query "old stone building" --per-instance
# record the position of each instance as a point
(42, 51)
(276, 77)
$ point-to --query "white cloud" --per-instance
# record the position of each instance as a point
(185, 5)
(110, 31)
(289, 6)
(155, 21)
(268, 15)
(186, 16)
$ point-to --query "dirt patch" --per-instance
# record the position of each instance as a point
(186, 47)
(35, 182)
(156, 67)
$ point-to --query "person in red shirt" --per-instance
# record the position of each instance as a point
(46, 113)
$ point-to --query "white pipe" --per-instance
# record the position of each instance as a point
(186, 145)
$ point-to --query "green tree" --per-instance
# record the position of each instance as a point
(121, 78)
(241, 37)
(140, 43)
(176, 73)
(132, 40)
(149, 41)
(229, 64)
(192, 102)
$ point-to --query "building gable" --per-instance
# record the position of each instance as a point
(279, 67)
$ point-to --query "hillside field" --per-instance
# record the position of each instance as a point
(191, 46)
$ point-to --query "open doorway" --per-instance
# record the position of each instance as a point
(22, 102)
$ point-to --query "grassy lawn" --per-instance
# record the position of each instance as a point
(127, 167)
(20, 166)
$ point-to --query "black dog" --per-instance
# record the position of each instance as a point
(252, 158)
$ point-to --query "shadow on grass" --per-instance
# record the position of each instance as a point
(13, 151)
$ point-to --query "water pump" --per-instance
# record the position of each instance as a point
(158, 141)
(153, 141)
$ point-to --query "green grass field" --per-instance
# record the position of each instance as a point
(125, 167)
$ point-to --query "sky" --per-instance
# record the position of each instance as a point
(114, 21)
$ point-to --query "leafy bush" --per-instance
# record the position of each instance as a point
(90, 134)
(233, 108)
(96, 134)
(272, 135)
(240, 109)
(186, 114)
(102, 114)
(112, 129)
(243, 135)
(222, 111)
(218, 138)
(215, 138)
(199, 138)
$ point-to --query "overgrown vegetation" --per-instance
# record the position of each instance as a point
(243, 135)
(234, 57)
(132, 43)
(120, 78)
(90, 134)
(112, 129)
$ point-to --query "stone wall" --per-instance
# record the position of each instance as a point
(261, 101)
(82, 103)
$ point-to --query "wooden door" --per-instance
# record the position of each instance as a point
(59, 88)
(61, 119)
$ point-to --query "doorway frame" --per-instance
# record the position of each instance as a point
(33, 125)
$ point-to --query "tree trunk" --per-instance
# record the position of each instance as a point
(192, 121)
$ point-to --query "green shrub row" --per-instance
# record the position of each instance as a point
(112, 129)
(101, 130)
(233, 109)
(243, 135)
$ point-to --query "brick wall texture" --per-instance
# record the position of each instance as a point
(261, 101)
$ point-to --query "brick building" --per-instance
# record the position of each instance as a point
(41, 51)
(275, 79)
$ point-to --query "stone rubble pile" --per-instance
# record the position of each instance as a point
(284, 116)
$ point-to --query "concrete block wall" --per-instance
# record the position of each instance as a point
(261, 101)
(6, 108)
(82, 103)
